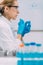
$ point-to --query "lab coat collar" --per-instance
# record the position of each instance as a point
(5, 19)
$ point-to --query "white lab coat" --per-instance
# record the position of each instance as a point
(7, 40)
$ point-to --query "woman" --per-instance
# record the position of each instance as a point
(8, 10)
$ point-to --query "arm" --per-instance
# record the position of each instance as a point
(20, 38)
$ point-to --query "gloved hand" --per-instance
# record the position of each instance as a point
(23, 27)
(27, 27)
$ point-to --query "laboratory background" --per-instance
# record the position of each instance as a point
(30, 10)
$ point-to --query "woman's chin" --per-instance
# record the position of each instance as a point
(15, 17)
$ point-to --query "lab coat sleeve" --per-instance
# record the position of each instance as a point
(7, 40)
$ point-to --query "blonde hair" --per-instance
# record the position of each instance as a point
(5, 3)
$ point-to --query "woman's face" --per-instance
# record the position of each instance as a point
(12, 12)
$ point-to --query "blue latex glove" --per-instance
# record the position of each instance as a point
(23, 27)
(27, 27)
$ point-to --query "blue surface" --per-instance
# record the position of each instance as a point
(29, 55)
(30, 62)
